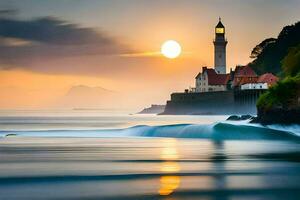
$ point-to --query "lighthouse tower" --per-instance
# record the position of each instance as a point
(220, 48)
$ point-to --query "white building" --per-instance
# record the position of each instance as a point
(210, 81)
(254, 86)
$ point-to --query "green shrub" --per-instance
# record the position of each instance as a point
(285, 94)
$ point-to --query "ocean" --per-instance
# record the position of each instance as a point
(92, 154)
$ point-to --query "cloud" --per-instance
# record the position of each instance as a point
(142, 54)
(51, 30)
(52, 46)
(49, 38)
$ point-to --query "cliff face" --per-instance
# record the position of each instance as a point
(278, 116)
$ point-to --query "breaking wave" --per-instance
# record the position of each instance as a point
(217, 131)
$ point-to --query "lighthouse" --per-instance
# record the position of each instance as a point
(220, 43)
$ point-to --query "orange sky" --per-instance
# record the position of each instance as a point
(37, 72)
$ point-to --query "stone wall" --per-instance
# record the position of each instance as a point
(223, 102)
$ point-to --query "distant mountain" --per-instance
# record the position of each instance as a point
(270, 52)
(82, 96)
(83, 89)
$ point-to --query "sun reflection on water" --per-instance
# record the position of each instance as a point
(169, 150)
(169, 153)
(170, 167)
(168, 184)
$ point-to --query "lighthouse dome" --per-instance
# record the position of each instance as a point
(220, 25)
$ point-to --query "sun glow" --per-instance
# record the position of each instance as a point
(171, 49)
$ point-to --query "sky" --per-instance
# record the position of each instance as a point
(48, 48)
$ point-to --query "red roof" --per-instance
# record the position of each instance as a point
(214, 78)
(247, 71)
(243, 75)
(268, 78)
(245, 80)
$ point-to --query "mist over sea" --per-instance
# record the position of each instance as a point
(93, 154)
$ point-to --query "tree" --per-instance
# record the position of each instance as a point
(270, 52)
(258, 49)
(291, 63)
(285, 94)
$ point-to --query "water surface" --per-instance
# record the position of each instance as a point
(146, 157)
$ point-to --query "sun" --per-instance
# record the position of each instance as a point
(170, 49)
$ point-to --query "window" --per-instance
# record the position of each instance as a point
(220, 30)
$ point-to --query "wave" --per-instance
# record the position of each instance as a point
(217, 131)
